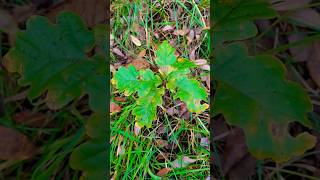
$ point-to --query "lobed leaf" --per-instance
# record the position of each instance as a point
(232, 19)
(64, 73)
(252, 93)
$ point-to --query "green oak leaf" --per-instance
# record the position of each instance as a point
(183, 63)
(189, 91)
(91, 157)
(53, 58)
(148, 82)
(150, 87)
(165, 54)
(253, 94)
(146, 110)
(232, 19)
(150, 97)
(126, 79)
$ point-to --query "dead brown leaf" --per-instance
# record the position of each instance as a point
(161, 143)
(114, 108)
(14, 145)
(181, 32)
(118, 52)
(140, 64)
(31, 119)
(120, 99)
(285, 5)
(93, 12)
(183, 161)
(313, 63)
(8, 25)
(235, 151)
(163, 172)
(137, 129)
(167, 28)
(299, 53)
(135, 40)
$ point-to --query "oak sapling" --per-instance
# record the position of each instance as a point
(173, 75)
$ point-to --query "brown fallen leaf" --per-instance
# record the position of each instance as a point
(93, 12)
(181, 32)
(161, 143)
(163, 172)
(8, 25)
(192, 55)
(120, 99)
(205, 67)
(167, 28)
(142, 54)
(118, 52)
(15, 145)
(201, 62)
(306, 18)
(114, 108)
(299, 53)
(285, 5)
(140, 64)
(183, 161)
(137, 129)
(31, 119)
(234, 152)
(190, 36)
(135, 40)
(313, 63)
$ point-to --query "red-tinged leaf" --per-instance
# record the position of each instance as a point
(163, 172)
(14, 145)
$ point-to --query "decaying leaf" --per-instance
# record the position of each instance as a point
(140, 64)
(135, 40)
(14, 145)
(163, 172)
(114, 108)
(64, 73)
(183, 161)
(31, 119)
(263, 109)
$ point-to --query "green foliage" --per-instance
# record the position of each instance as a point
(53, 60)
(263, 104)
(174, 72)
(232, 19)
(252, 91)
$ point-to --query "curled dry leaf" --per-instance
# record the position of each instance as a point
(181, 32)
(163, 172)
(8, 25)
(93, 11)
(299, 53)
(167, 28)
(313, 63)
(191, 36)
(140, 64)
(118, 52)
(285, 5)
(31, 119)
(120, 99)
(205, 67)
(161, 143)
(14, 145)
(135, 40)
(114, 108)
(201, 62)
(137, 128)
(183, 161)
(142, 54)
